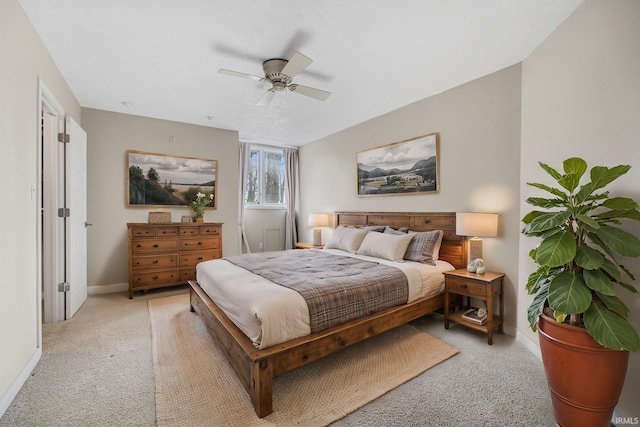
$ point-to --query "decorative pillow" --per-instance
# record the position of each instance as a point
(385, 246)
(401, 230)
(425, 247)
(346, 239)
(378, 228)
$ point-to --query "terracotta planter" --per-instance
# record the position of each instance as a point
(584, 378)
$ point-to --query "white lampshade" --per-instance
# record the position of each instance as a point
(318, 220)
(477, 225)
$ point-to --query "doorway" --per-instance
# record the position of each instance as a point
(62, 286)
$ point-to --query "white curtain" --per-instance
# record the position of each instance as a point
(242, 170)
(291, 177)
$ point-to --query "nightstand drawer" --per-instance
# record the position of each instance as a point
(466, 287)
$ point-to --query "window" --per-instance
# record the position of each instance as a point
(265, 178)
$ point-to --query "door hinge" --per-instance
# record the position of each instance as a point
(64, 287)
(64, 138)
(64, 212)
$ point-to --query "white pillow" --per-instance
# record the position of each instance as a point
(346, 239)
(385, 246)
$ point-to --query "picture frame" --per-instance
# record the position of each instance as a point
(163, 180)
(411, 166)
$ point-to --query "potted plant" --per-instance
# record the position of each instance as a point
(198, 204)
(581, 321)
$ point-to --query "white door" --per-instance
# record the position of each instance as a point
(76, 224)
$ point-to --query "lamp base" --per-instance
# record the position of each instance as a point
(317, 236)
(475, 248)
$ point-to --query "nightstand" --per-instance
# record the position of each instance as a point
(480, 286)
(301, 245)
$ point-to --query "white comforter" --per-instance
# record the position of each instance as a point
(270, 314)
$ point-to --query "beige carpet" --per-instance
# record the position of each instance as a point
(196, 387)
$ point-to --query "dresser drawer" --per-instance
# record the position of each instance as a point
(193, 258)
(197, 244)
(166, 231)
(154, 261)
(143, 246)
(466, 287)
(155, 278)
(141, 232)
(187, 274)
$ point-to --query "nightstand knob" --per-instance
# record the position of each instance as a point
(463, 285)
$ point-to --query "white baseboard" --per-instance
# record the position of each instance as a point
(107, 289)
(8, 396)
(530, 345)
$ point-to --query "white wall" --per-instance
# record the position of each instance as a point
(110, 135)
(24, 60)
(479, 126)
(581, 97)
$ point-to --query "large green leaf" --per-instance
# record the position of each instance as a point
(569, 181)
(531, 216)
(588, 258)
(599, 282)
(618, 240)
(610, 330)
(551, 171)
(549, 221)
(588, 221)
(620, 203)
(601, 176)
(612, 270)
(556, 250)
(631, 214)
(551, 190)
(537, 305)
(575, 165)
(545, 203)
(569, 294)
(614, 303)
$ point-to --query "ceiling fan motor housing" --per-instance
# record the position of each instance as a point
(273, 72)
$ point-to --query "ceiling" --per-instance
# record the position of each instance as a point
(161, 57)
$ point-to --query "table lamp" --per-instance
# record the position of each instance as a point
(318, 220)
(476, 225)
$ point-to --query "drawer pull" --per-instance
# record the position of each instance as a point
(199, 258)
(199, 243)
(155, 261)
(138, 245)
(155, 277)
(155, 246)
(463, 286)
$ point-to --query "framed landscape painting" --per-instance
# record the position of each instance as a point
(406, 167)
(164, 180)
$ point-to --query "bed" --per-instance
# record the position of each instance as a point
(257, 367)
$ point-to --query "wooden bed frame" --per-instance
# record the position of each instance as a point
(256, 369)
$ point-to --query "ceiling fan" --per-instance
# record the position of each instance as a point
(280, 73)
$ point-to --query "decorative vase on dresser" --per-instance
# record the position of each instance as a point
(163, 255)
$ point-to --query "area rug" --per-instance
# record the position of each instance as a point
(195, 386)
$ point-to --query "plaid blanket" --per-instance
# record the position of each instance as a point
(336, 288)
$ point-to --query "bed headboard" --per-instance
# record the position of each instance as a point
(453, 249)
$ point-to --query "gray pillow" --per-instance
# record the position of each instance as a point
(424, 247)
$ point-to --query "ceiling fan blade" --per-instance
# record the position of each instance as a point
(296, 64)
(314, 93)
(239, 74)
(266, 98)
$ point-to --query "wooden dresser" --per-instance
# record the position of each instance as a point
(166, 254)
